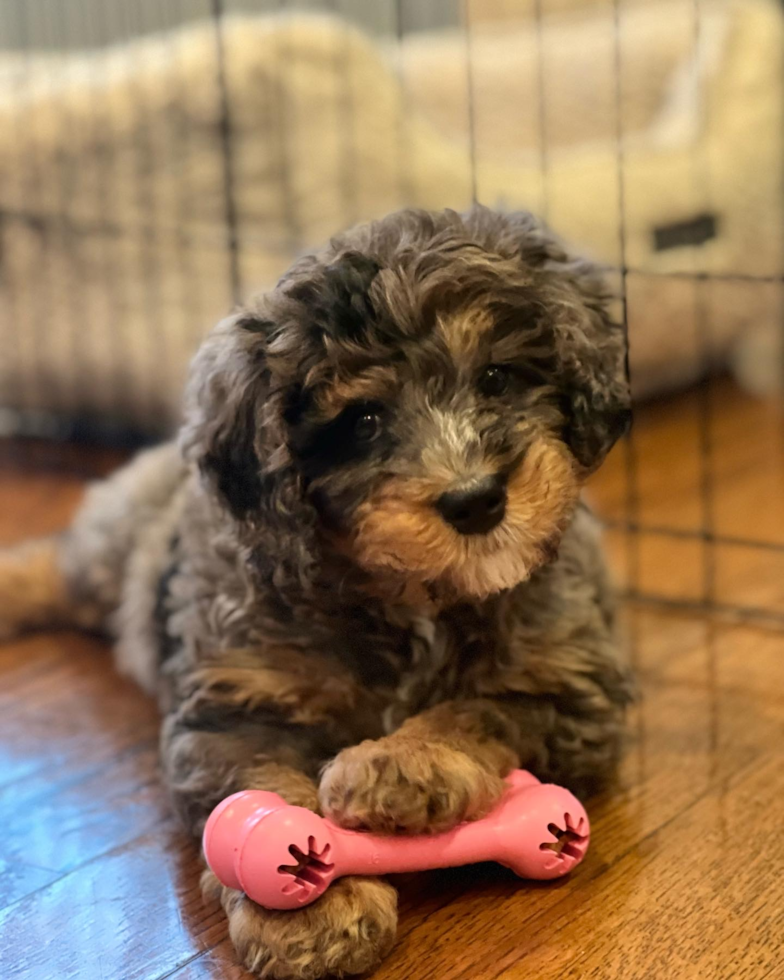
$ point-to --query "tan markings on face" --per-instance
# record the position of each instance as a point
(375, 383)
(463, 331)
(309, 690)
(398, 530)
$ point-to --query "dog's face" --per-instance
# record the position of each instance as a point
(426, 398)
(432, 444)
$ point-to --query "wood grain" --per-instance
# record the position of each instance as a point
(685, 876)
(734, 491)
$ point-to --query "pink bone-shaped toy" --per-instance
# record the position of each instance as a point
(284, 857)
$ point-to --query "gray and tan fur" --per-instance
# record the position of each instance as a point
(363, 578)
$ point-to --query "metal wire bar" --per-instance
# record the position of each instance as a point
(30, 136)
(691, 534)
(701, 275)
(630, 454)
(284, 120)
(74, 320)
(781, 242)
(43, 220)
(151, 326)
(703, 333)
(226, 132)
(18, 385)
(405, 176)
(738, 613)
(630, 450)
(111, 277)
(544, 156)
(470, 102)
(180, 128)
(344, 67)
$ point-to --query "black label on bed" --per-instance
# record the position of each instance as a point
(697, 231)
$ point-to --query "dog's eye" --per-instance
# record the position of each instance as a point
(367, 426)
(494, 381)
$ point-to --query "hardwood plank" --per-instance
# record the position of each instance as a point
(134, 914)
(744, 477)
(64, 712)
(746, 465)
(684, 874)
(219, 963)
(65, 828)
(17, 879)
(694, 742)
(703, 897)
(42, 483)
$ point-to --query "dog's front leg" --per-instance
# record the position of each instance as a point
(447, 764)
(349, 930)
(212, 750)
(439, 768)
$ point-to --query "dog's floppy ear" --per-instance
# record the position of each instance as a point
(225, 393)
(591, 346)
(593, 352)
(234, 433)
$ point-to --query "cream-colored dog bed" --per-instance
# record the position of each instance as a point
(114, 180)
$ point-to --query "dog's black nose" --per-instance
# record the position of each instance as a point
(475, 509)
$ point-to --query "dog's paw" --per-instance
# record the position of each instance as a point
(406, 784)
(349, 930)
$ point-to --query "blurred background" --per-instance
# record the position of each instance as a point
(162, 160)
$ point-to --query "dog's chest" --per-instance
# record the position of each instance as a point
(443, 657)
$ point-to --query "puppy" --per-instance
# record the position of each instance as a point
(364, 578)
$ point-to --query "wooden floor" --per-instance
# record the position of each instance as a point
(684, 879)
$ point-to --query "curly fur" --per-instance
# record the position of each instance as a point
(290, 591)
(350, 928)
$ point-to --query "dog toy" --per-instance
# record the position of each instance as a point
(284, 857)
